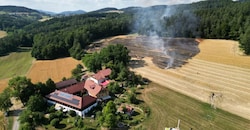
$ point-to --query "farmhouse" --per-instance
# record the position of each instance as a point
(66, 83)
(82, 96)
(67, 102)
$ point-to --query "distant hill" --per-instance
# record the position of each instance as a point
(48, 12)
(104, 10)
(131, 9)
(69, 13)
(13, 9)
(15, 17)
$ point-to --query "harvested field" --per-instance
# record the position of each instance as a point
(3, 34)
(214, 73)
(199, 79)
(162, 50)
(41, 70)
(224, 52)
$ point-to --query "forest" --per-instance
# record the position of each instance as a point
(68, 36)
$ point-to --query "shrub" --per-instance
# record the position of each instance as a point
(55, 122)
(52, 116)
(72, 113)
(59, 114)
(25, 126)
(51, 109)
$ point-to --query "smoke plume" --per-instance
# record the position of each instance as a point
(159, 22)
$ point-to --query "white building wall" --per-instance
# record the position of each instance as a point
(86, 110)
(80, 113)
(93, 79)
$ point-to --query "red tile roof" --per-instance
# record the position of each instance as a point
(92, 88)
(65, 98)
(87, 101)
(71, 100)
(65, 83)
(102, 74)
(74, 88)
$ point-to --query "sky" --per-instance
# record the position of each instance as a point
(87, 5)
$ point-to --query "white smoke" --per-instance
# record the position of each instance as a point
(154, 24)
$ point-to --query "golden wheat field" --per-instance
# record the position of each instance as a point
(41, 70)
(223, 52)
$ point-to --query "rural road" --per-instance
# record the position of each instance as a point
(16, 110)
(16, 123)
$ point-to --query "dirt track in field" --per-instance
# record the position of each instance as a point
(41, 70)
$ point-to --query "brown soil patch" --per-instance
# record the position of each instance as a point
(2, 34)
(41, 70)
(3, 84)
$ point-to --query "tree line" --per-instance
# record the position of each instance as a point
(65, 36)
(223, 19)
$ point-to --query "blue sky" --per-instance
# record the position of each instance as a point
(87, 5)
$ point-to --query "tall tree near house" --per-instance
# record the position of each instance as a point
(109, 108)
(114, 88)
(108, 117)
(50, 85)
(77, 72)
(5, 102)
(36, 103)
(22, 88)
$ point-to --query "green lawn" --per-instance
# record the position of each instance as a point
(16, 63)
(67, 124)
(168, 106)
(10, 122)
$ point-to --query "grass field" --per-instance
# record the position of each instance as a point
(41, 70)
(168, 106)
(16, 63)
(3, 34)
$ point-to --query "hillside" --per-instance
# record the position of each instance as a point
(70, 13)
(16, 9)
(15, 17)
